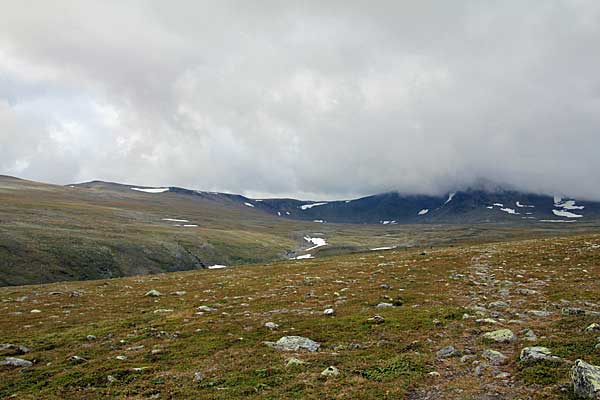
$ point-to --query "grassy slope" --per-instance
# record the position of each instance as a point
(391, 361)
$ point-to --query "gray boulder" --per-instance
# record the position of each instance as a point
(537, 353)
(15, 362)
(501, 336)
(494, 357)
(294, 343)
(586, 380)
(447, 351)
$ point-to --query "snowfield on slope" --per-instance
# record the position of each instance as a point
(317, 242)
(309, 206)
(151, 190)
(561, 213)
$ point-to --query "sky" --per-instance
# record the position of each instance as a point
(308, 99)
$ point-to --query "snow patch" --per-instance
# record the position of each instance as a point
(175, 220)
(555, 220)
(450, 197)
(423, 211)
(509, 211)
(309, 206)
(190, 226)
(249, 204)
(383, 248)
(303, 257)
(320, 221)
(318, 242)
(217, 266)
(151, 190)
(561, 213)
(499, 204)
(523, 205)
(568, 205)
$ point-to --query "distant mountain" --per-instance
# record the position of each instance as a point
(468, 206)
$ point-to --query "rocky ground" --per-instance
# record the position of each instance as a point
(492, 321)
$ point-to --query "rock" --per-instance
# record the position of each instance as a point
(494, 357)
(163, 310)
(77, 359)
(15, 362)
(447, 351)
(593, 328)
(293, 362)
(271, 325)
(526, 292)
(498, 304)
(330, 371)
(90, 337)
(540, 313)
(153, 293)
(198, 376)
(486, 321)
(111, 379)
(35, 311)
(376, 319)
(385, 286)
(529, 335)
(294, 343)
(206, 308)
(121, 358)
(385, 305)
(572, 311)
(329, 311)
(537, 353)
(501, 336)
(434, 374)
(502, 375)
(9, 348)
(586, 380)
(466, 358)
(178, 293)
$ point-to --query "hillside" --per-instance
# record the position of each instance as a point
(404, 324)
(101, 230)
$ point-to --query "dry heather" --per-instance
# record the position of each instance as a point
(165, 347)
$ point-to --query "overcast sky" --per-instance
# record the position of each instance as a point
(320, 99)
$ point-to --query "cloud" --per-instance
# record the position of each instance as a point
(309, 99)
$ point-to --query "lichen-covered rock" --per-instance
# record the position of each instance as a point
(494, 357)
(153, 293)
(593, 328)
(537, 353)
(501, 336)
(294, 343)
(586, 380)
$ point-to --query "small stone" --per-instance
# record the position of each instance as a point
(329, 312)
(90, 337)
(293, 362)
(498, 304)
(540, 313)
(447, 351)
(385, 305)
(526, 292)
(529, 335)
(111, 379)
(35, 311)
(198, 376)
(385, 286)
(121, 358)
(593, 328)
(434, 374)
(501, 336)
(153, 293)
(15, 362)
(502, 375)
(77, 359)
(572, 311)
(537, 353)
(491, 321)
(163, 311)
(271, 325)
(586, 380)
(206, 308)
(466, 358)
(376, 319)
(330, 371)
(178, 293)
(494, 357)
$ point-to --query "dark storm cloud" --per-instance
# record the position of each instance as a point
(318, 99)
